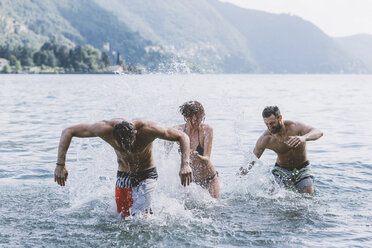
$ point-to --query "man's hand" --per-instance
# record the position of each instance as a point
(244, 171)
(186, 175)
(60, 175)
(294, 141)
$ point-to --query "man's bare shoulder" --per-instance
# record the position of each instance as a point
(99, 128)
(144, 124)
(179, 127)
(262, 143)
(112, 122)
(295, 126)
(155, 130)
(266, 134)
(265, 138)
(106, 126)
(148, 127)
(289, 123)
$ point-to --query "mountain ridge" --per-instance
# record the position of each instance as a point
(359, 46)
(206, 36)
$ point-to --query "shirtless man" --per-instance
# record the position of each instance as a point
(132, 142)
(288, 140)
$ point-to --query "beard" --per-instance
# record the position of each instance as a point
(277, 129)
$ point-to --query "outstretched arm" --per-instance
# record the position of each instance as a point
(257, 151)
(168, 145)
(172, 134)
(82, 131)
(260, 147)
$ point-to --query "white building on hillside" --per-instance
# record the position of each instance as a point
(3, 62)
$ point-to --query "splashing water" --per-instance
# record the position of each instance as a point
(253, 210)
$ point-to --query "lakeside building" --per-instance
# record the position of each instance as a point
(3, 62)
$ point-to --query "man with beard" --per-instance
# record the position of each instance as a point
(288, 140)
(132, 143)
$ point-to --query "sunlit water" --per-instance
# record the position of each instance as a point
(252, 211)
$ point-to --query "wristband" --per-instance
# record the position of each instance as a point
(59, 164)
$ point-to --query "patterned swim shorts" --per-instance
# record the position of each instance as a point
(297, 178)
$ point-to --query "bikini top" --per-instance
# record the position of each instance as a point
(199, 148)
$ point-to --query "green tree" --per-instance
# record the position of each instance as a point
(105, 59)
(81, 67)
(6, 69)
(77, 59)
(13, 60)
(18, 67)
(39, 58)
(4, 52)
(26, 54)
(119, 60)
(85, 59)
(92, 58)
(62, 56)
(49, 46)
(51, 59)
(45, 57)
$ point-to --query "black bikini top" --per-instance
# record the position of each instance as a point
(199, 148)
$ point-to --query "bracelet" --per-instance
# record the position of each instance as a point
(59, 164)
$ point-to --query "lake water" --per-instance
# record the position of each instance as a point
(252, 211)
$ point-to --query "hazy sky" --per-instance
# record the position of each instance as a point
(334, 17)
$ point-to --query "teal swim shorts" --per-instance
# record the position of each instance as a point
(297, 178)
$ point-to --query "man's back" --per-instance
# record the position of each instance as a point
(140, 157)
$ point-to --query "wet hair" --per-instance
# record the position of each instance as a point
(123, 133)
(191, 108)
(271, 110)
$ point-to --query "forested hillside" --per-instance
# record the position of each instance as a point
(180, 36)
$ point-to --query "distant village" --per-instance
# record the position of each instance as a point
(53, 58)
(6, 68)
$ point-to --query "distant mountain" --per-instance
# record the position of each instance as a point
(225, 38)
(358, 46)
(288, 44)
(73, 22)
(32, 23)
(206, 36)
(194, 30)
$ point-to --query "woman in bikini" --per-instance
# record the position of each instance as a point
(201, 138)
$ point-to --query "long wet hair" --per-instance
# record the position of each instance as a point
(123, 133)
(191, 108)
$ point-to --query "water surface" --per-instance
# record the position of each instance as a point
(252, 212)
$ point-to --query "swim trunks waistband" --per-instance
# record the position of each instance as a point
(132, 179)
(299, 167)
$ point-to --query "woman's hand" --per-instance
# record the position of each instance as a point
(196, 157)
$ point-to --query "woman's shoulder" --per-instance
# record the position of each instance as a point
(206, 128)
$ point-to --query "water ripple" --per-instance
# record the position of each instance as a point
(253, 211)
